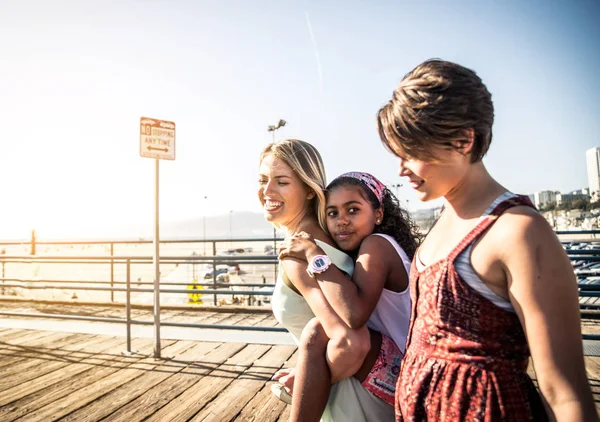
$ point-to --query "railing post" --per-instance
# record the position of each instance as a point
(128, 305)
(275, 267)
(214, 244)
(112, 272)
(3, 276)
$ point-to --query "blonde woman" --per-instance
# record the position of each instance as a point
(291, 182)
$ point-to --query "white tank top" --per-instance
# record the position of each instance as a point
(392, 312)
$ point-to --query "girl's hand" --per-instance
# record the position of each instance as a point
(301, 246)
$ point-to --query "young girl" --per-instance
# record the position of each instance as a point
(365, 220)
(491, 284)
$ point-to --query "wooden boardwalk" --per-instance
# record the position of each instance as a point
(47, 376)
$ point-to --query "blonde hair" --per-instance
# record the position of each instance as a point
(437, 104)
(306, 162)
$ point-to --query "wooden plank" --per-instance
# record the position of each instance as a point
(110, 312)
(252, 319)
(166, 392)
(285, 415)
(7, 332)
(201, 318)
(592, 368)
(18, 353)
(232, 400)
(88, 394)
(95, 368)
(291, 362)
(590, 326)
(21, 334)
(170, 316)
(37, 343)
(263, 318)
(132, 390)
(143, 315)
(264, 406)
(24, 337)
(43, 361)
(268, 322)
(22, 388)
(234, 319)
(201, 393)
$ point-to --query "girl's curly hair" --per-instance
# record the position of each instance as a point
(396, 220)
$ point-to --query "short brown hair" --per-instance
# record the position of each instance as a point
(436, 104)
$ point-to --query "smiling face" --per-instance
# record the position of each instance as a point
(350, 217)
(437, 178)
(284, 197)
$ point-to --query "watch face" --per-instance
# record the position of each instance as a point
(320, 263)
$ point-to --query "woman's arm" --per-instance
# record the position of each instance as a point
(353, 300)
(347, 347)
(333, 325)
(543, 290)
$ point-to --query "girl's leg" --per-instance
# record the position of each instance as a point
(312, 379)
(313, 376)
(372, 356)
(347, 352)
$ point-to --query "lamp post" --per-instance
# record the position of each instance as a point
(272, 128)
(398, 186)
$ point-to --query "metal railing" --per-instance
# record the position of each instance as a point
(215, 287)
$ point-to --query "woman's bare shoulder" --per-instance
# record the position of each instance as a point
(318, 233)
(521, 229)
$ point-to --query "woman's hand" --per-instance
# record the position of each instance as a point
(301, 246)
(286, 378)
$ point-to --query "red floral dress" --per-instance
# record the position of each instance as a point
(466, 358)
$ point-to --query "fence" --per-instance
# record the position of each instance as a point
(119, 269)
(21, 273)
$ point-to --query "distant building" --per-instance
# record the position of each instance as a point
(583, 191)
(426, 217)
(592, 157)
(543, 198)
(570, 197)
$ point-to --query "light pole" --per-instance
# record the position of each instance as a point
(398, 186)
(272, 128)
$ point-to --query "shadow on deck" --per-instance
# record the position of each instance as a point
(78, 376)
(81, 377)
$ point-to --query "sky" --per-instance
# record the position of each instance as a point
(76, 76)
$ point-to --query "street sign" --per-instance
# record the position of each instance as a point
(157, 139)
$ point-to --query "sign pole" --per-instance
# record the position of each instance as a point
(156, 266)
(157, 141)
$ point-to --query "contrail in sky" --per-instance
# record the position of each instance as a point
(314, 43)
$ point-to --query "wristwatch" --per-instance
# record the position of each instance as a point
(318, 264)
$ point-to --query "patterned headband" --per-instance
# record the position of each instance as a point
(369, 181)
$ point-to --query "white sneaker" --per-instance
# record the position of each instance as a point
(281, 393)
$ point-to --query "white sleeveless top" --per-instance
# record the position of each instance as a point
(349, 400)
(463, 266)
(392, 312)
(290, 308)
